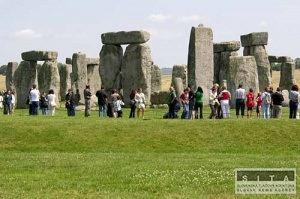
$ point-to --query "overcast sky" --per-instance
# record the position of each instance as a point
(69, 26)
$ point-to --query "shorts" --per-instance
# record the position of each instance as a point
(250, 108)
(258, 109)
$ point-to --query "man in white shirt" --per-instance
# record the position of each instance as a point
(35, 99)
(240, 95)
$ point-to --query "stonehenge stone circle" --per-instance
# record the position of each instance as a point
(255, 39)
(201, 59)
(178, 86)
(160, 97)
(93, 76)
(287, 75)
(65, 72)
(125, 37)
(155, 79)
(79, 72)
(227, 46)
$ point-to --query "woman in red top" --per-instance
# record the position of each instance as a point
(259, 104)
(250, 103)
(225, 97)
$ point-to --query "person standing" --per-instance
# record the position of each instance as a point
(44, 104)
(225, 96)
(35, 99)
(213, 103)
(191, 101)
(266, 101)
(184, 99)
(293, 103)
(277, 99)
(7, 103)
(258, 105)
(140, 104)
(132, 104)
(102, 102)
(172, 102)
(250, 103)
(113, 98)
(87, 100)
(1, 100)
(118, 106)
(240, 95)
(52, 102)
(199, 102)
(70, 103)
(271, 91)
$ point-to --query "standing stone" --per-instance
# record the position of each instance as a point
(178, 86)
(9, 79)
(180, 71)
(25, 76)
(224, 64)
(155, 79)
(69, 60)
(287, 75)
(110, 66)
(217, 67)
(93, 77)
(125, 37)
(201, 60)
(79, 73)
(49, 78)
(263, 64)
(136, 70)
(65, 71)
(254, 44)
(242, 70)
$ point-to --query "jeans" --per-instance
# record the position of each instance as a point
(266, 111)
(71, 110)
(132, 111)
(186, 111)
(35, 108)
(293, 109)
(102, 110)
(44, 111)
(191, 107)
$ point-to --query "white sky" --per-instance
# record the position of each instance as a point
(69, 26)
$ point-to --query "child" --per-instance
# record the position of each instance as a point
(259, 104)
(118, 107)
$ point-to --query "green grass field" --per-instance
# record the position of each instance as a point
(78, 157)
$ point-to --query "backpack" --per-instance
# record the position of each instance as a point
(267, 99)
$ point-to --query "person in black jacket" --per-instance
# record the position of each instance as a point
(277, 99)
(70, 103)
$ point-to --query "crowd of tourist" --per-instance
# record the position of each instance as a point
(267, 104)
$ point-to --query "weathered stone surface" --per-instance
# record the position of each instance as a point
(10, 71)
(273, 59)
(39, 55)
(111, 57)
(242, 70)
(263, 65)
(65, 71)
(69, 60)
(227, 46)
(48, 78)
(159, 97)
(155, 79)
(178, 86)
(79, 73)
(254, 39)
(92, 61)
(125, 37)
(25, 76)
(283, 59)
(181, 72)
(217, 66)
(287, 75)
(201, 60)
(285, 94)
(93, 77)
(136, 70)
(224, 65)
